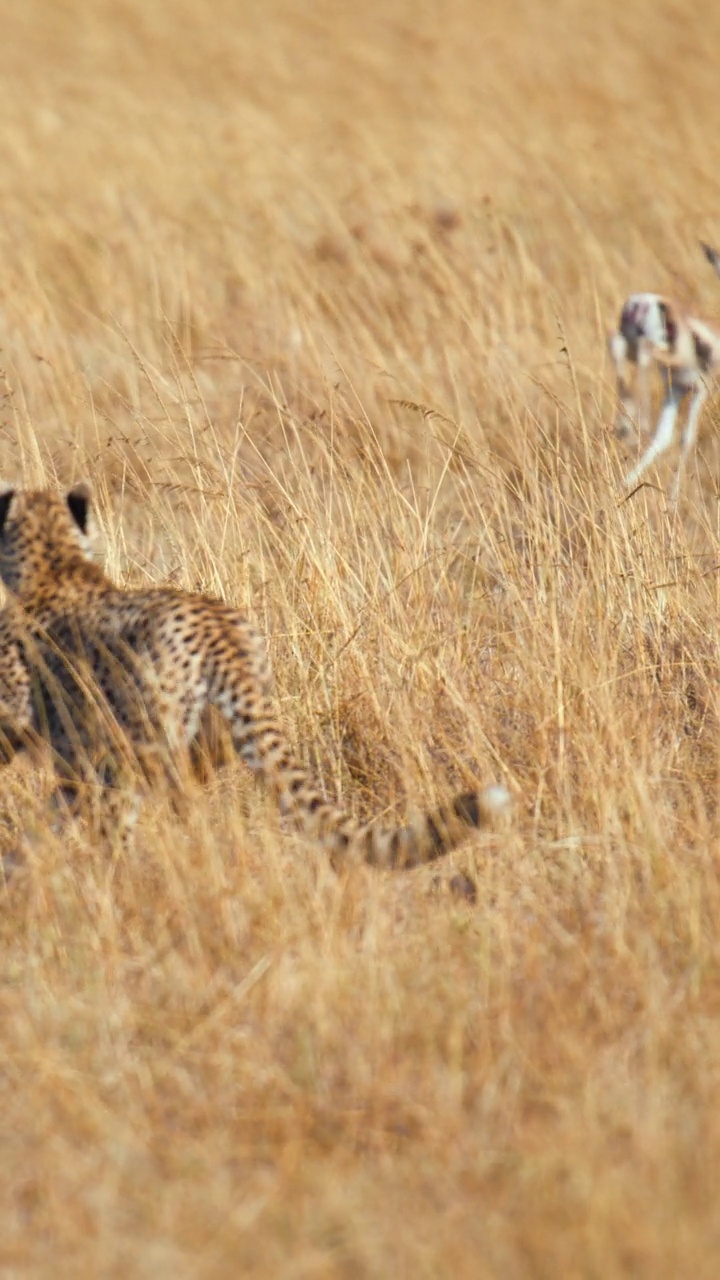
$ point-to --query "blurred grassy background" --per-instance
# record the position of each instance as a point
(317, 296)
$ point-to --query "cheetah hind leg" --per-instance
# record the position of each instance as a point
(107, 813)
(107, 805)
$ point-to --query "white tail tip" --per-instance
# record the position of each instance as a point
(497, 798)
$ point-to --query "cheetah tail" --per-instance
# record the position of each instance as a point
(427, 838)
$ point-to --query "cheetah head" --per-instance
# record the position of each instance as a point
(42, 532)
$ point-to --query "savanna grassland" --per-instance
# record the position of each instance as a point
(316, 295)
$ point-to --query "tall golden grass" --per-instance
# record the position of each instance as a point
(316, 295)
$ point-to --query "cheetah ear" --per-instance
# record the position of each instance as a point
(79, 499)
(7, 493)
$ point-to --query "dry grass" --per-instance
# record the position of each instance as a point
(316, 295)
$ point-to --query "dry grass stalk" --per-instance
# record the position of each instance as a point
(318, 301)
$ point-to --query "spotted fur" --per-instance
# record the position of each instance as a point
(118, 685)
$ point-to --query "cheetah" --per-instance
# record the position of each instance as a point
(117, 683)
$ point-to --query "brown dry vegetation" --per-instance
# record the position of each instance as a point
(316, 294)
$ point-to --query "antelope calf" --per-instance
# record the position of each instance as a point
(656, 330)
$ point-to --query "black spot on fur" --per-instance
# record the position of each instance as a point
(5, 500)
(463, 886)
(437, 841)
(466, 808)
